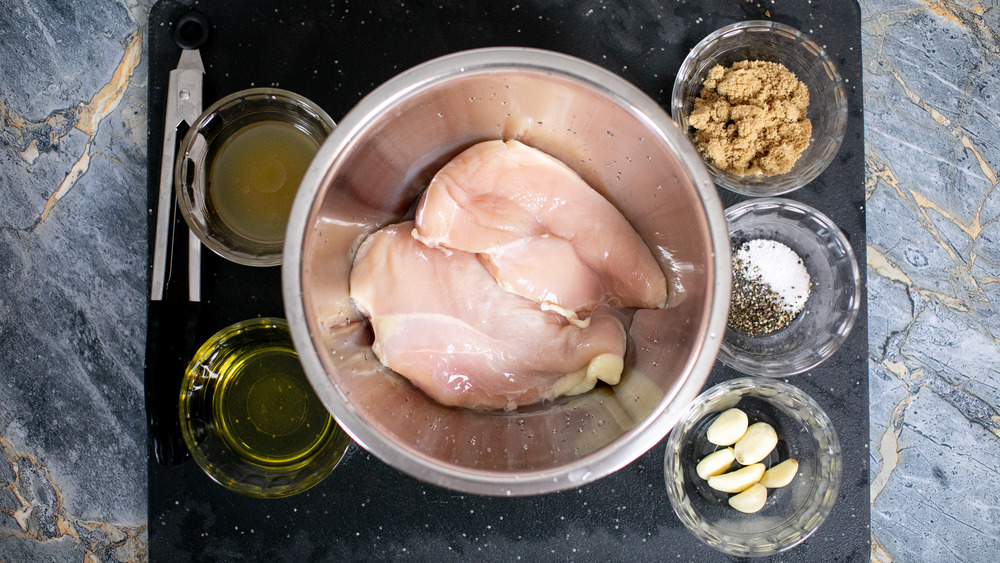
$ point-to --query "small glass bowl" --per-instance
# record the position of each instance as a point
(249, 416)
(834, 297)
(791, 513)
(775, 42)
(208, 136)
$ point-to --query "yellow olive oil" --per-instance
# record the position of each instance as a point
(254, 176)
(249, 416)
(266, 411)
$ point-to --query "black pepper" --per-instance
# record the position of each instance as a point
(756, 308)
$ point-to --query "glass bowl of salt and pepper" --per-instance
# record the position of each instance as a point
(796, 288)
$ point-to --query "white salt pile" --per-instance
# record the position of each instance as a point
(778, 267)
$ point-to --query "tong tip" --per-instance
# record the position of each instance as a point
(191, 60)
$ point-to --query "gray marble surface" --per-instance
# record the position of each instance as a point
(73, 258)
(932, 73)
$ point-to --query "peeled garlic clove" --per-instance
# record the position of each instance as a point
(750, 500)
(715, 463)
(739, 480)
(780, 474)
(758, 441)
(728, 428)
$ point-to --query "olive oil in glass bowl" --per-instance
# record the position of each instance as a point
(249, 416)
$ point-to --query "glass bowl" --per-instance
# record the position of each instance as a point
(791, 513)
(775, 42)
(235, 184)
(249, 417)
(832, 306)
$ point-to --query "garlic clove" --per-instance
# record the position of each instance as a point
(758, 441)
(780, 474)
(728, 427)
(715, 463)
(739, 480)
(750, 500)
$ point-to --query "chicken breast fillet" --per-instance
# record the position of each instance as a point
(543, 232)
(441, 320)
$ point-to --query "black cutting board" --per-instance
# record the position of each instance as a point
(334, 53)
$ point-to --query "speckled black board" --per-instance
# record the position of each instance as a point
(336, 52)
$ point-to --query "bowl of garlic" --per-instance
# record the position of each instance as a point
(753, 467)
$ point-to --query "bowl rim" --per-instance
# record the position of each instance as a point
(606, 460)
(732, 182)
(837, 235)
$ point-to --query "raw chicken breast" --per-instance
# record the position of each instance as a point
(548, 271)
(500, 199)
(441, 320)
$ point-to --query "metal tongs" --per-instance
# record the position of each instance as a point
(184, 105)
(172, 331)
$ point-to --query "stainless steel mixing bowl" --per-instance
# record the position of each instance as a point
(370, 172)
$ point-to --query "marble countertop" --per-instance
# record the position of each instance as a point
(73, 262)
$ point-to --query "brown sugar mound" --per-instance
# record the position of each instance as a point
(750, 118)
